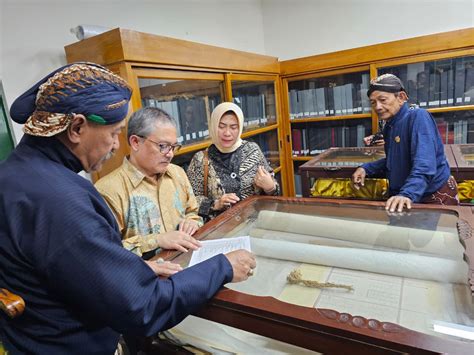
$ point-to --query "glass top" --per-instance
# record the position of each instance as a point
(348, 157)
(467, 152)
(406, 269)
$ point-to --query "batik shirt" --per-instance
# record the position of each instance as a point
(145, 207)
(228, 173)
(415, 163)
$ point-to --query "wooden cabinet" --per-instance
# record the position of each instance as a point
(294, 109)
(188, 80)
(325, 103)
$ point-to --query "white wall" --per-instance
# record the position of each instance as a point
(300, 28)
(34, 33)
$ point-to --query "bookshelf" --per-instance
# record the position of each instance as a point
(188, 80)
(294, 109)
(324, 96)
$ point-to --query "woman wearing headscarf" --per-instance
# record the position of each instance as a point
(231, 169)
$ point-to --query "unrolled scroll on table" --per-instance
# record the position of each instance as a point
(441, 259)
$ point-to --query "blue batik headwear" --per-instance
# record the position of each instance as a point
(79, 88)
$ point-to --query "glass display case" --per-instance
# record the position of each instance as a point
(380, 282)
(464, 156)
(340, 163)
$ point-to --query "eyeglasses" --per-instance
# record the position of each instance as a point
(164, 147)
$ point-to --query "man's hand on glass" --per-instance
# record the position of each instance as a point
(398, 203)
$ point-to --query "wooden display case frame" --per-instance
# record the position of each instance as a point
(326, 330)
(313, 168)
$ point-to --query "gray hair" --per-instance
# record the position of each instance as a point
(144, 121)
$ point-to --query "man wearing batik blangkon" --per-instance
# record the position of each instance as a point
(60, 247)
(415, 163)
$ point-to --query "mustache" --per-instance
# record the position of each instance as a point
(109, 155)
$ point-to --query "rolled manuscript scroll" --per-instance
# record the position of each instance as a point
(436, 266)
(371, 234)
(383, 262)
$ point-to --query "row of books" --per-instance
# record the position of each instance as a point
(314, 140)
(442, 87)
(190, 114)
(457, 132)
(337, 100)
(258, 109)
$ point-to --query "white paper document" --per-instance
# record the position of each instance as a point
(210, 248)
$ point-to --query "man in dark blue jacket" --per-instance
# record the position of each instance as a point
(60, 248)
(415, 163)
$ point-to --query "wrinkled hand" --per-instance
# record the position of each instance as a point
(188, 226)
(226, 200)
(177, 240)
(165, 268)
(264, 180)
(242, 262)
(368, 139)
(397, 203)
(378, 142)
(358, 178)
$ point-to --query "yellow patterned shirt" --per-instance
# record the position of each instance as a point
(145, 207)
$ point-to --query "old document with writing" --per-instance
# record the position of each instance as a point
(210, 248)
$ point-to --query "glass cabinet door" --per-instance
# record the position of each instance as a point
(455, 127)
(189, 101)
(257, 96)
(312, 138)
(437, 83)
(257, 101)
(268, 143)
(334, 95)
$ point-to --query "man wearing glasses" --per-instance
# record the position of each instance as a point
(151, 198)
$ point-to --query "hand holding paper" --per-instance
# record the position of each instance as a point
(237, 251)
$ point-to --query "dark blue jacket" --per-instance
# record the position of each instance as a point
(415, 163)
(60, 249)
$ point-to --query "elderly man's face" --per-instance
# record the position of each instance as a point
(148, 157)
(100, 144)
(386, 104)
